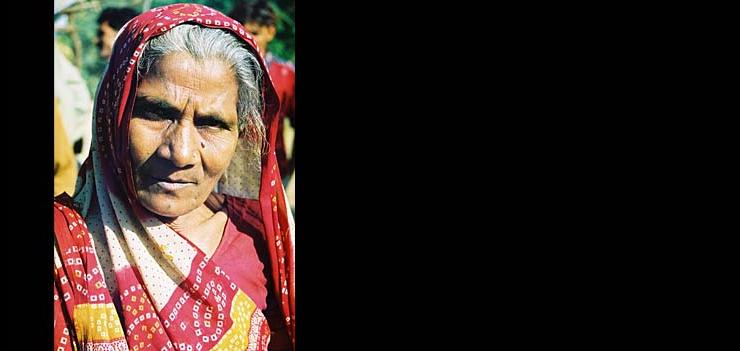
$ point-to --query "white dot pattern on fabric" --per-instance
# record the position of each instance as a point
(127, 246)
(102, 250)
(242, 177)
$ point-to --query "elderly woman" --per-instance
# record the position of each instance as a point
(178, 236)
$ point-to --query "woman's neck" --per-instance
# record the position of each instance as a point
(191, 219)
(201, 226)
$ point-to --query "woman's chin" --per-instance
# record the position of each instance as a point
(164, 210)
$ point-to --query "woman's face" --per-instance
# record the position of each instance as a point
(183, 132)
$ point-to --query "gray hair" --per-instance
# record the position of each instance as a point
(201, 43)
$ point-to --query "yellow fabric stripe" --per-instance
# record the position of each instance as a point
(237, 337)
(97, 322)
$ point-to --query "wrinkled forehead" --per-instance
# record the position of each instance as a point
(181, 80)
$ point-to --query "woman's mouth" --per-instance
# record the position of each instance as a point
(171, 184)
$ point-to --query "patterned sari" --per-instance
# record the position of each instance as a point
(126, 281)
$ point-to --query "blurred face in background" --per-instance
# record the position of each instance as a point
(106, 36)
(262, 34)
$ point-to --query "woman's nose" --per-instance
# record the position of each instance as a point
(181, 145)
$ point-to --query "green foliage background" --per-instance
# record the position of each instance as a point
(83, 25)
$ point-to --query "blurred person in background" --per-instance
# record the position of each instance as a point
(74, 104)
(65, 167)
(111, 20)
(259, 18)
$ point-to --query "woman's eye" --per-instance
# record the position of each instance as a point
(212, 124)
(151, 116)
(208, 127)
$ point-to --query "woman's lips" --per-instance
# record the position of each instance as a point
(171, 184)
